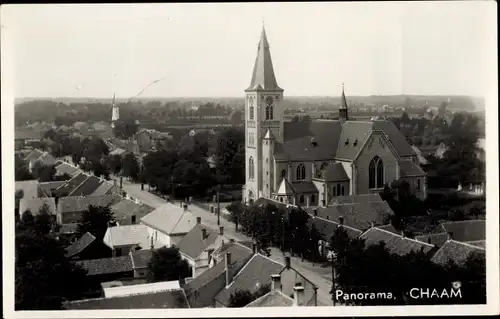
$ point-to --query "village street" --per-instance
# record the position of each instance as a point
(320, 276)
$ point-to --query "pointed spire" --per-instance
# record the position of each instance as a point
(263, 71)
(343, 101)
(269, 135)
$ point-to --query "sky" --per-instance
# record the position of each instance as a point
(208, 50)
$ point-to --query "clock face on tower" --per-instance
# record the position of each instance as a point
(269, 100)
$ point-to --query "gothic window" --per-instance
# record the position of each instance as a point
(301, 172)
(251, 168)
(338, 189)
(251, 112)
(342, 190)
(283, 173)
(267, 160)
(301, 199)
(334, 190)
(269, 112)
(313, 199)
(281, 199)
(376, 173)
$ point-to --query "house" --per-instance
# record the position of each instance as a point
(161, 299)
(70, 185)
(314, 156)
(66, 168)
(201, 291)
(147, 139)
(35, 204)
(86, 247)
(45, 159)
(107, 188)
(276, 298)
(394, 243)
(197, 246)
(70, 209)
(48, 187)
(125, 239)
(466, 231)
(140, 260)
(128, 212)
(457, 252)
(27, 135)
(87, 187)
(30, 189)
(169, 223)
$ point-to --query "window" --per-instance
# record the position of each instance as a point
(301, 172)
(342, 190)
(251, 112)
(133, 219)
(313, 199)
(267, 185)
(251, 139)
(376, 173)
(251, 168)
(334, 190)
(281, 199)
(418, 183)
(338, 189)
(301, 199)
(269, 112)
(283, 173)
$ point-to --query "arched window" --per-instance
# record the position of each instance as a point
(301, 172)
(281, 199)
(301, 199)
(283, 173)
(251, 112)
(313, 199)
(376, 173)
(342, 191)
(250, 197)
(338, 189)
(251, 168)
(334, 190)
(269, 112)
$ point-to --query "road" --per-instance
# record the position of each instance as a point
(320, 276)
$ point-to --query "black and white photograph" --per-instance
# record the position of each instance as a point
(326, 157)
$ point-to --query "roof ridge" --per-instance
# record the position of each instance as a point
(337, 223)
(402, 237)
(466, 244)
(241, 270)
(463, 221)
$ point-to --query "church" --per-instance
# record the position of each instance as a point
(310, 163)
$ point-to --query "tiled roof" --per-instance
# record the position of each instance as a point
(65, 168)
(390, 229)
(359, 216)
(34, 155)
(256, 273)
(408, 169)
(353, 199)
(27, 134)
(78, 203)
(31, 189)
(467, 230)
(141, 258)
(158, 300)
(304, 187)
(274, 298)
(118, 151)
(479, 243)
(87, 187)
(124, 208)
(238, 250)
(117, 236)
(263, 73)
(285, 188)
(170, 219)
(103, 189)
(34, 205)
(396, 244)
(456, 251)
(70, 185)
(192, 245)
(334, 172)
(327, 228)
(239, 257)
(361, 131)
(105, 266)
(437, 240)
(48, 187)
(298, 145)
(78, 246)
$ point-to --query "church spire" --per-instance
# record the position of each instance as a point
(263, 77)
(343, 114)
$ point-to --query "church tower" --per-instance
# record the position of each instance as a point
(343, 111)
(263, 113)
(115, 113)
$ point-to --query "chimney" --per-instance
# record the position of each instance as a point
(221, 230)
(275, 282)
(298, 296)
(403, 233)
(198, 220)
(450, 235)
(254, 247)
(341, 220)
(203, 234)
(287, 261)
(228, 268)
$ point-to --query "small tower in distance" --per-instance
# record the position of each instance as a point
(115, 113)
(343, 111)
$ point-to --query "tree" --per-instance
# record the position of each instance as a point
(44, 173)
(166, 264)
(114, 164)
(130, 166)
(94, 149)
(96, 221)
(42, 272)
(241, 298)
(21, 169)
(230, 156)
(125, 129)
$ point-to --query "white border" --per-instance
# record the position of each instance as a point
(491, 103)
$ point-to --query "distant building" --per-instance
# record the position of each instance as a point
(148, 139)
